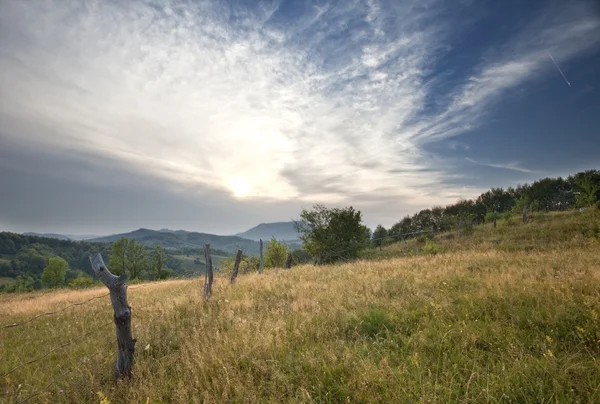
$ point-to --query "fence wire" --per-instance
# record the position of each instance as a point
(57, 348)
(55, 379)
(50, 313)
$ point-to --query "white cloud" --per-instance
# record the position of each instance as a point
(513, 165)
(329, 106)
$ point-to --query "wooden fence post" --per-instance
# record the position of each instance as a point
(261, 265)
(122, 315)
(494, 219)
(208, 277)
(525, 214)
(288, 261)
(236, 265)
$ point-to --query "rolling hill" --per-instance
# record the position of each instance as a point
(182, 239)
(280, 230)
(62, 236)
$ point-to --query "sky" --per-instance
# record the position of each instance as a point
(218, 115)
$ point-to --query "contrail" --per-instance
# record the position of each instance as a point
(556, 64)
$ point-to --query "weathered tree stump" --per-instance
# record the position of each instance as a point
(288, 261)
(236, 265)
(261, 265)
(208, 277)
(525, 218)
(122, 315)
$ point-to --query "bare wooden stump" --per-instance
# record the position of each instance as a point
(236, 265)
(261, 265)
(122, 315)
(208, 277)
(525, 218)
(288, 261)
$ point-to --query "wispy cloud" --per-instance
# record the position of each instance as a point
(331, 105)
(513, 166)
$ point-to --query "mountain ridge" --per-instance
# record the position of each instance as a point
(182, 239)
(280, 230)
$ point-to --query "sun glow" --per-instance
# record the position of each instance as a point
(239, 186)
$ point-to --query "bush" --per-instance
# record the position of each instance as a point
(301, 256)
(275, 253)
(82, 281)
(431, 247)
(23, 283)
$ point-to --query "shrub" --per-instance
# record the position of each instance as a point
(275, 253)
(431, 247)
(82, 281)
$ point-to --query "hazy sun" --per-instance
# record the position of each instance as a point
(239, 186)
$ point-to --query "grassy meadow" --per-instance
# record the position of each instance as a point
(500, 315)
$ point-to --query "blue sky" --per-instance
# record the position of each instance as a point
(215, 116)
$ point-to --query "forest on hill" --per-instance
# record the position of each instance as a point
(23, 258)
(547, 195)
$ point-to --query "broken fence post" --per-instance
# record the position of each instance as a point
(288, 261)
(122, 315)
(236, 265)
(261, 265)
(525, 214)
(208, 277)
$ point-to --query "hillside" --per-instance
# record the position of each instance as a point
(182, 239)
(500, 315)
(48, 235)
(62, 236)
(279, 230)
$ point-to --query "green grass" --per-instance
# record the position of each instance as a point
(190, 267)
(472, 323)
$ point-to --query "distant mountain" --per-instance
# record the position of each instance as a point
(48, 235)
(279, 230)
(182, 239)
(62, 236)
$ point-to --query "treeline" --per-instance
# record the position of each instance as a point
(25, 258)
(20, 254)
(547, 194)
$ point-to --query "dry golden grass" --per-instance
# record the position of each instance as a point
(471, 324)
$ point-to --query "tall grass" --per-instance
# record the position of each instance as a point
(475, 322)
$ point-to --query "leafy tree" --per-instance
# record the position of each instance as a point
(128, 257)
(159, 260)
(588, 188)
(118, 257)
(275, 253)
(54, 273)
(136, 257)
(300, 256)
(332, 234)
(379, 235)
(23, 283)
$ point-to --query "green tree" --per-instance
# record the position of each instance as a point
(300, 256)
(136, 259)
(379, 235)
(332, 234)
(159, 260)
(275, 253)
(587, 189)
(118, 257)
(128, 257)
(55, 271)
